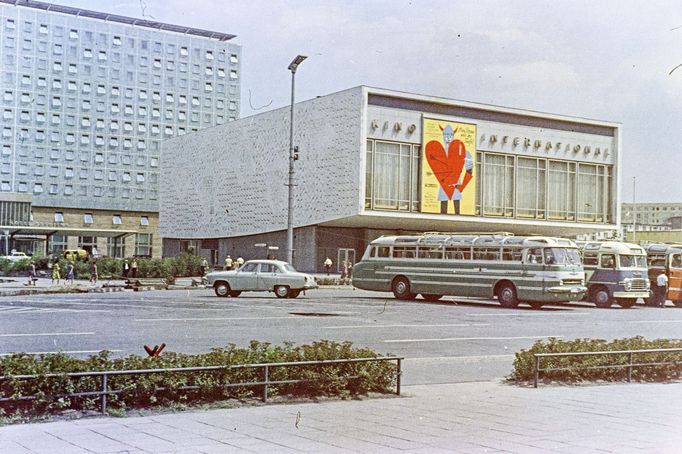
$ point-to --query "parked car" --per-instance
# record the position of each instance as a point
(15, 256)
(261, 275)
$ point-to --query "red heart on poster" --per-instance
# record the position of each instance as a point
(447, 168)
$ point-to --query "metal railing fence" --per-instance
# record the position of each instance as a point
(266, 382)
(629, 365)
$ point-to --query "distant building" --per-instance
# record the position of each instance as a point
(86, 98)
(374, 162)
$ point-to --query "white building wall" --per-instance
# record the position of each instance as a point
(230, 180)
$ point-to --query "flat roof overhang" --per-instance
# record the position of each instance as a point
(15, 230)
(422, 222)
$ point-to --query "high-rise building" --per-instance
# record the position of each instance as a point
(86, 98)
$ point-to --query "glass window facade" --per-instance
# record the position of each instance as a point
(85, 73)
(507, 186)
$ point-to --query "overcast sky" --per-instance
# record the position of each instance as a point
(606, 60)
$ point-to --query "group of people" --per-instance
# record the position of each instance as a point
(56, 273)
(346, 269)
(233, 264)
(129, 269)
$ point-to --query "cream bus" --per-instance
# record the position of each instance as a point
(533, 269)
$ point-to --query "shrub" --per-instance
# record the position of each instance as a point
(581, 368)
(164, 389)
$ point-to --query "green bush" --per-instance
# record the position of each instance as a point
(140, 391)
(581, 368)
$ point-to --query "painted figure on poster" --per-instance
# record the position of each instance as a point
(452, 165)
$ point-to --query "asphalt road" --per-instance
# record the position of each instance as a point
(445, 342)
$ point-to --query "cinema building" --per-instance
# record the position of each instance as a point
(379, 162)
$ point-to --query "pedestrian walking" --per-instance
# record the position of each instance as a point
(56, 276)
(70, 275)
(126, 269)
(240, 262)
(133, 268)
(204, 267)
(328, 265)
(344, 271)
(93, 272)
(228, 263)
(32, 274)
(661, 289)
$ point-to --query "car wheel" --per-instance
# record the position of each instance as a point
(235, 293)
(282, 291)
(293, 293)
(602, 298)
(535, 304)
(221, 289)
(431, 297)
(401, 288)
(506, 295)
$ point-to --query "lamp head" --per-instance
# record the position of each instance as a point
(295, 62)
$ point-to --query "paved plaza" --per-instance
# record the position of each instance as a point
(481, 417)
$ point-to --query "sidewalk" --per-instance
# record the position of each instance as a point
(12, 286)
(482, 417)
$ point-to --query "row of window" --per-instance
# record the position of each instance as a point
(88, 218)
(57, 244)
(84, 190)
(506, 185)
(105, 40)
(56, 154)
(114, 74)
(57, 87)
(123, 176)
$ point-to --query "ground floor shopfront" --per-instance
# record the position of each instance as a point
(41, 231)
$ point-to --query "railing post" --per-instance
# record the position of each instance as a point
(104, 394)
(629, 367)
(536, 372)
(266, 378)
(398, 373)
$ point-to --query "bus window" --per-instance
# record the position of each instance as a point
(384, 251)
(550, 259)
(608, 261)
(534, 255)
(676, 261)
(404, 252)
(591, 260)
(487, 254)
(511, 254)
(432, 252)
(632, 261)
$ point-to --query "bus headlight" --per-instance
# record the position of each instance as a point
(627, 283)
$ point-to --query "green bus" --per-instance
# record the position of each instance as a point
(532, 269)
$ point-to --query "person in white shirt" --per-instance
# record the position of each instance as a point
(661, 289)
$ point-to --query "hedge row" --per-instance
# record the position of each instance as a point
(524, 362)
(139, 389)
(169, 268)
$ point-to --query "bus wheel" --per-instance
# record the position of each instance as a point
(602, 298)
(626, 303)
(431, 297)
(506, 295)
(536, 304)
(401, 288)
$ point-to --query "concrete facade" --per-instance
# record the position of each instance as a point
(234, 176)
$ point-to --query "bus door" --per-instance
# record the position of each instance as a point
(533, 272)
(675, 276)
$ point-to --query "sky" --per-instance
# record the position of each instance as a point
(608, 60)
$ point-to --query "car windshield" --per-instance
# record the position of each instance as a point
(632, 261)
(561, 256)
(288, 268)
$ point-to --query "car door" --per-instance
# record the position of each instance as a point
(245, 278)
(267, 276)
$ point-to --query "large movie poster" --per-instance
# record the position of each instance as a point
(448, 164)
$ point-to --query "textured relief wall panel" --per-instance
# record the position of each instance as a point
(231, 179)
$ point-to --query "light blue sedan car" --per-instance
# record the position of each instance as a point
(261, 275)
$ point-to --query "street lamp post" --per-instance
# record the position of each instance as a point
(290, 207)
